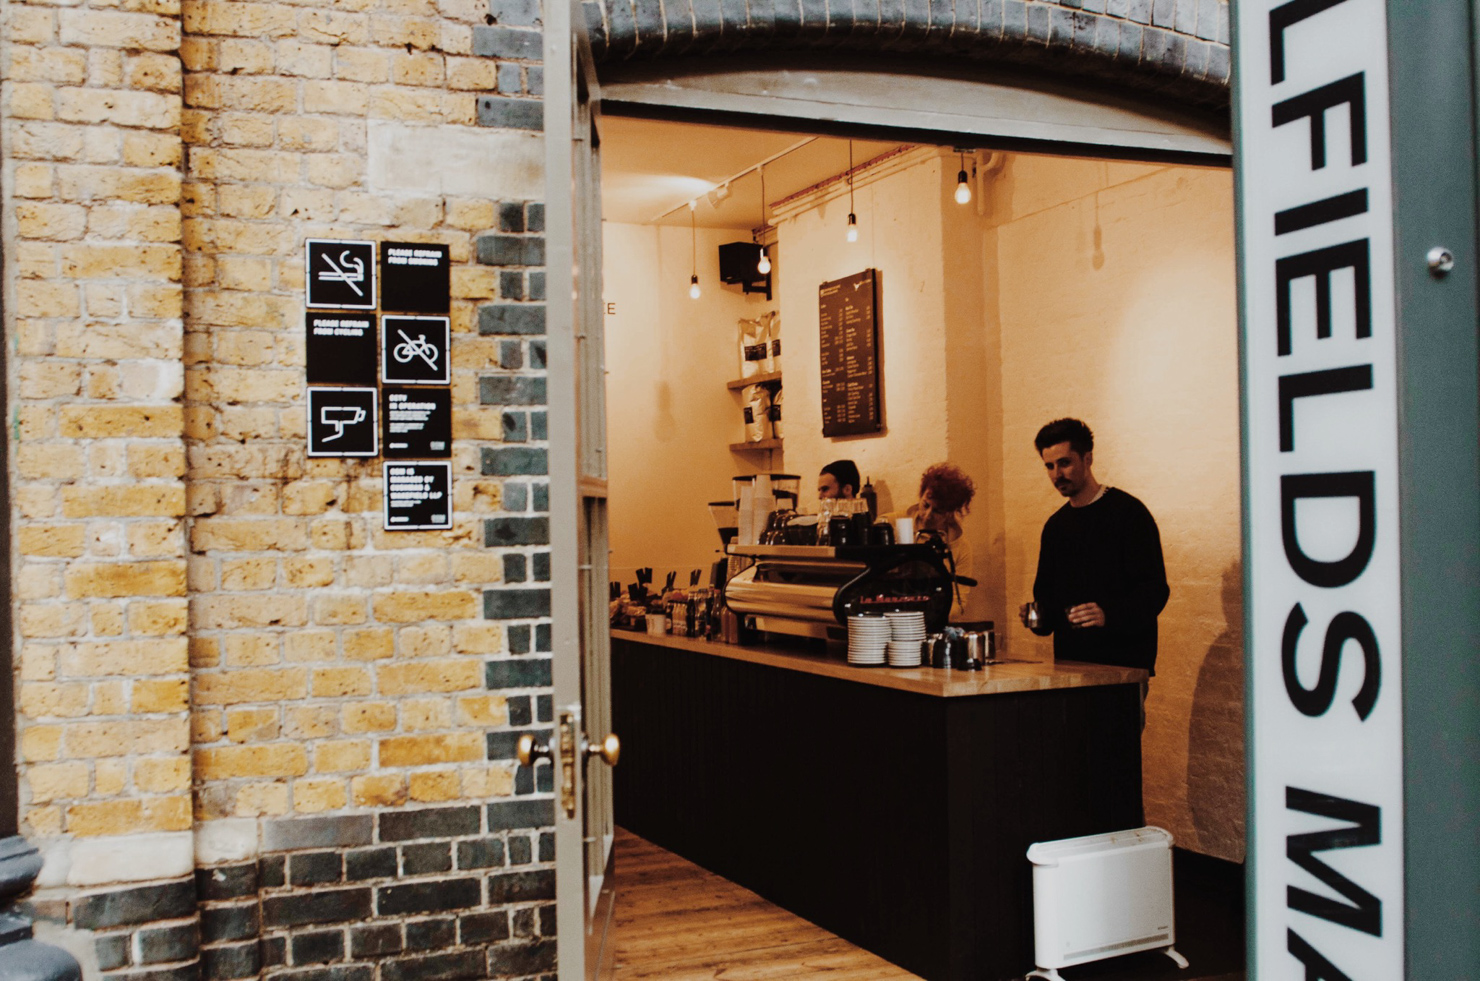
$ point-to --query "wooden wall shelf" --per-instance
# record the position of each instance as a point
(770, 376)
(765, 444)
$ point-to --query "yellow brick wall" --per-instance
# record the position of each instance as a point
(334, 665)
(194, 597)
(93, 301)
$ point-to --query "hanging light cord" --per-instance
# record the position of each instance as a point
(694, 242)
(850, 177)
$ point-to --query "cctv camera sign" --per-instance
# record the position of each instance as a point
(1321, 437)
(342, 422)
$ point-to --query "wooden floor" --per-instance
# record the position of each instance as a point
(677, 922)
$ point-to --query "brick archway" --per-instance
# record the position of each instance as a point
(1177, 49)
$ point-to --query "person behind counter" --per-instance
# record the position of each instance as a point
(945, 496)
(838, 480)
(1101, 580)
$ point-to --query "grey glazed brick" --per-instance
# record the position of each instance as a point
(523, 781)
(523, 673)
(516, 13)
(178, 972)
(511, 216)
(518, 709)
(541, 567)
(1061, 29)
(516, 531)
(226, 882)
(315, 868)
(375, 940)
(1207, 19)
(520, 853)
(112, 950)
(510, 461)
(1185, 21)
(545, 708)
(521, 887)
(1218, 63)
(647, 19)
(510, 355)
(505, 113)
(369, 863)
(1164, 13)
(1176, 52)
(1139, 11)
(328, 906)
(537, 354)
(515, 604)
(429, 822)
(544, 779)
(501, 746)
(511, 285)
(538, 426)
(1107, 36)
(512, 390)
(510, 250)
(1130, 41)
(288, 834)
(516, 427)
(518, 636)
(1014, 20)
(437, 934)
(542, 637)
(1038, 21)
(1195, 57)
(547, 851)
(434, 896)
(516, 815)
(541, 497)
(507, 42)
(436, 967)
(425, 859)
(319, 947)
(231, 963)
(536, 216)
(518, 959)
(272, 871)
(516, 495)
(1118, 8)
(483, 928)
(536, 286)
(1094, 6)
(164, 945)
(220, 924)
(141, 904)
(515, 568)
(484, 853)
(534, 80)
(511, 318)
(510, 79)
(1223, 29)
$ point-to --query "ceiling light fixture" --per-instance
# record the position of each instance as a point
(963, 189)
(764, 265)
(852, 218)
(719, 194)
(694, 239)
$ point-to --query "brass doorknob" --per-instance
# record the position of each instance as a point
(609, 749)
(529, 750)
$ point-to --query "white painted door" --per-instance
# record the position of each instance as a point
(578, 513)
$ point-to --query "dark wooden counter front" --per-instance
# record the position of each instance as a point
(892, 807)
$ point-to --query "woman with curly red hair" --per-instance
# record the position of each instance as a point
(945, 495)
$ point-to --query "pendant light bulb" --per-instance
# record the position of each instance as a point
(764, 266)
(694, 287)
(963, 189)
(852, 227)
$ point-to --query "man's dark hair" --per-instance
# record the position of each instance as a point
(846, 474)
(1066, 430)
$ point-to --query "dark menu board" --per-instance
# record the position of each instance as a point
(848, 323)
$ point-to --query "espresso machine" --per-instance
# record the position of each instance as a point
(811, 590)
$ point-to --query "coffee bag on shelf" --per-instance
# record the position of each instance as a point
(776, 400)
(754, 347)
(772, 321)
(756, 402)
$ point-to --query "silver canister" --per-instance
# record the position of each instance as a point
(937, 651)
(976, 651)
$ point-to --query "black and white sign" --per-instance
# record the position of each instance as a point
(340, 274)
(340, 348)
(1321, 431)
(418, 496)
(341, 422)
(415, 350)
(418, 423)
(415, 277)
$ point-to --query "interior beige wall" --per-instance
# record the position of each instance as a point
(670, 418)
(1116, 304)
(899, 221)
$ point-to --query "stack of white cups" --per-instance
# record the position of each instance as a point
(906, 638)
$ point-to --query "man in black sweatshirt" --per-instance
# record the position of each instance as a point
(1101, 580)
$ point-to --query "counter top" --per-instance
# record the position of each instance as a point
(939, 682)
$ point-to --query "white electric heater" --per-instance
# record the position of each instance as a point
(1101, 896)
